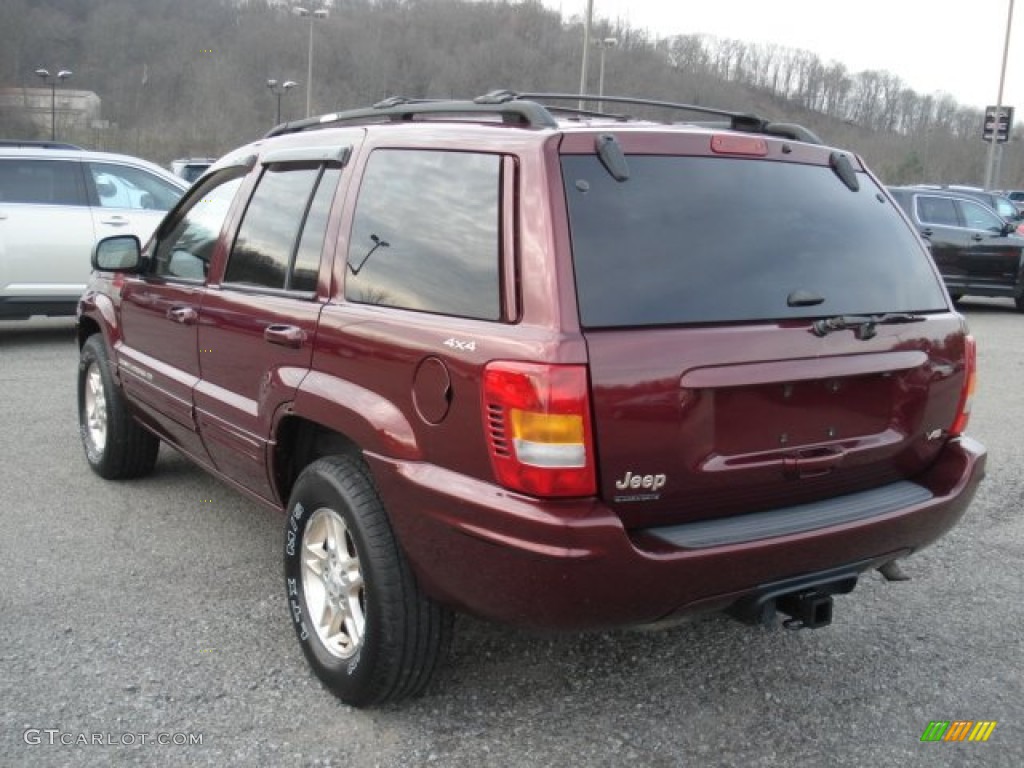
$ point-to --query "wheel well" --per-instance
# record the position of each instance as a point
(299, 443)
(86, 328)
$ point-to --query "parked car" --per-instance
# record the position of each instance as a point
(496, 357)
(55, 204)
(37, 144)
(977, 251)
(191, 168)
(1016, 197)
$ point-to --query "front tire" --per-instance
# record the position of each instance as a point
(116, 447)
(364, 625)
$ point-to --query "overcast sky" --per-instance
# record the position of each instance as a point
(932, 45)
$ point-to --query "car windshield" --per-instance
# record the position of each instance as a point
(699, 239)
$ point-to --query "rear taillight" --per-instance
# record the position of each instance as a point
(963, 410)
(538, 424)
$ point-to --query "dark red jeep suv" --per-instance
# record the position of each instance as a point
(551, 366)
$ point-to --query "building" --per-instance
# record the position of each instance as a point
(74, 110)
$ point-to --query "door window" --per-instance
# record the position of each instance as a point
(185, 251)
(41, 182)
(282, 233)
(937, 210)
(121, 186)
(977, 216)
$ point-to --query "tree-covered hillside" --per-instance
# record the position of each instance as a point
(188, 77)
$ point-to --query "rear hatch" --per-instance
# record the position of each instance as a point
(709, 291)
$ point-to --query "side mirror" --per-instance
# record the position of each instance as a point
(1009, 228)
(121, 253)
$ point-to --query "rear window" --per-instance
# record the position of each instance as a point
(699, 239)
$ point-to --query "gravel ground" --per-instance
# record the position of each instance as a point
(156, 607)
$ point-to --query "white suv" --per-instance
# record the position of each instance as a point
(55, 204)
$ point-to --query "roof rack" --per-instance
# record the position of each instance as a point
(401, 109)
(522, 109)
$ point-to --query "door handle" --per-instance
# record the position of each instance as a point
(284, 335)
(813, 462)
(977, 238)
(116, 221)
(183, 315)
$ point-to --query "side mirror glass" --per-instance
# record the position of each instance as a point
(121, 253)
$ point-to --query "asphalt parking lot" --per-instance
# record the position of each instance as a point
(154, 611)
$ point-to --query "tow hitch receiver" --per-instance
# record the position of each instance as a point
(806, 610)
(805, 600)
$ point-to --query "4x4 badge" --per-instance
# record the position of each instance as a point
(460, 345)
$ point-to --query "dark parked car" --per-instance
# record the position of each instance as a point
(519, 361)
(976, 250)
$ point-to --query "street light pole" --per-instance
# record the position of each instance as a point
(61, 76)
(604, 45)
(320, 13)
(999, 103)
(279, 91)
(588, 22)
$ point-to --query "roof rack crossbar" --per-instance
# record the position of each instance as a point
(739, 120)
(397, 109)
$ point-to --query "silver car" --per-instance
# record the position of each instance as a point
(55, 204)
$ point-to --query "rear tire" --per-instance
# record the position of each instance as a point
(116, 447)
(365, 627)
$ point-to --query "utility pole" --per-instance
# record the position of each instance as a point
(588, 22)
(990, 160)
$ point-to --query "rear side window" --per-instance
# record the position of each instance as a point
(698, 240)
(282, 233)
(41, 182)
(426, 234)
(937, 210)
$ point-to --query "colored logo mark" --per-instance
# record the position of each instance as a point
(959, 730)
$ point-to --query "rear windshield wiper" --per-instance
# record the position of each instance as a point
(863, 325)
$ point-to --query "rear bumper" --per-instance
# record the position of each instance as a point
(572, 565)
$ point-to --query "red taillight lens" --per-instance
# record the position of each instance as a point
(963, 411)
(538, 423)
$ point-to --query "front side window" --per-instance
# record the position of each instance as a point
(41, 182)
(121, 186)
(977, 216)
(282, 233)
(186, 250)
(1005, 208)
(426, 233)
